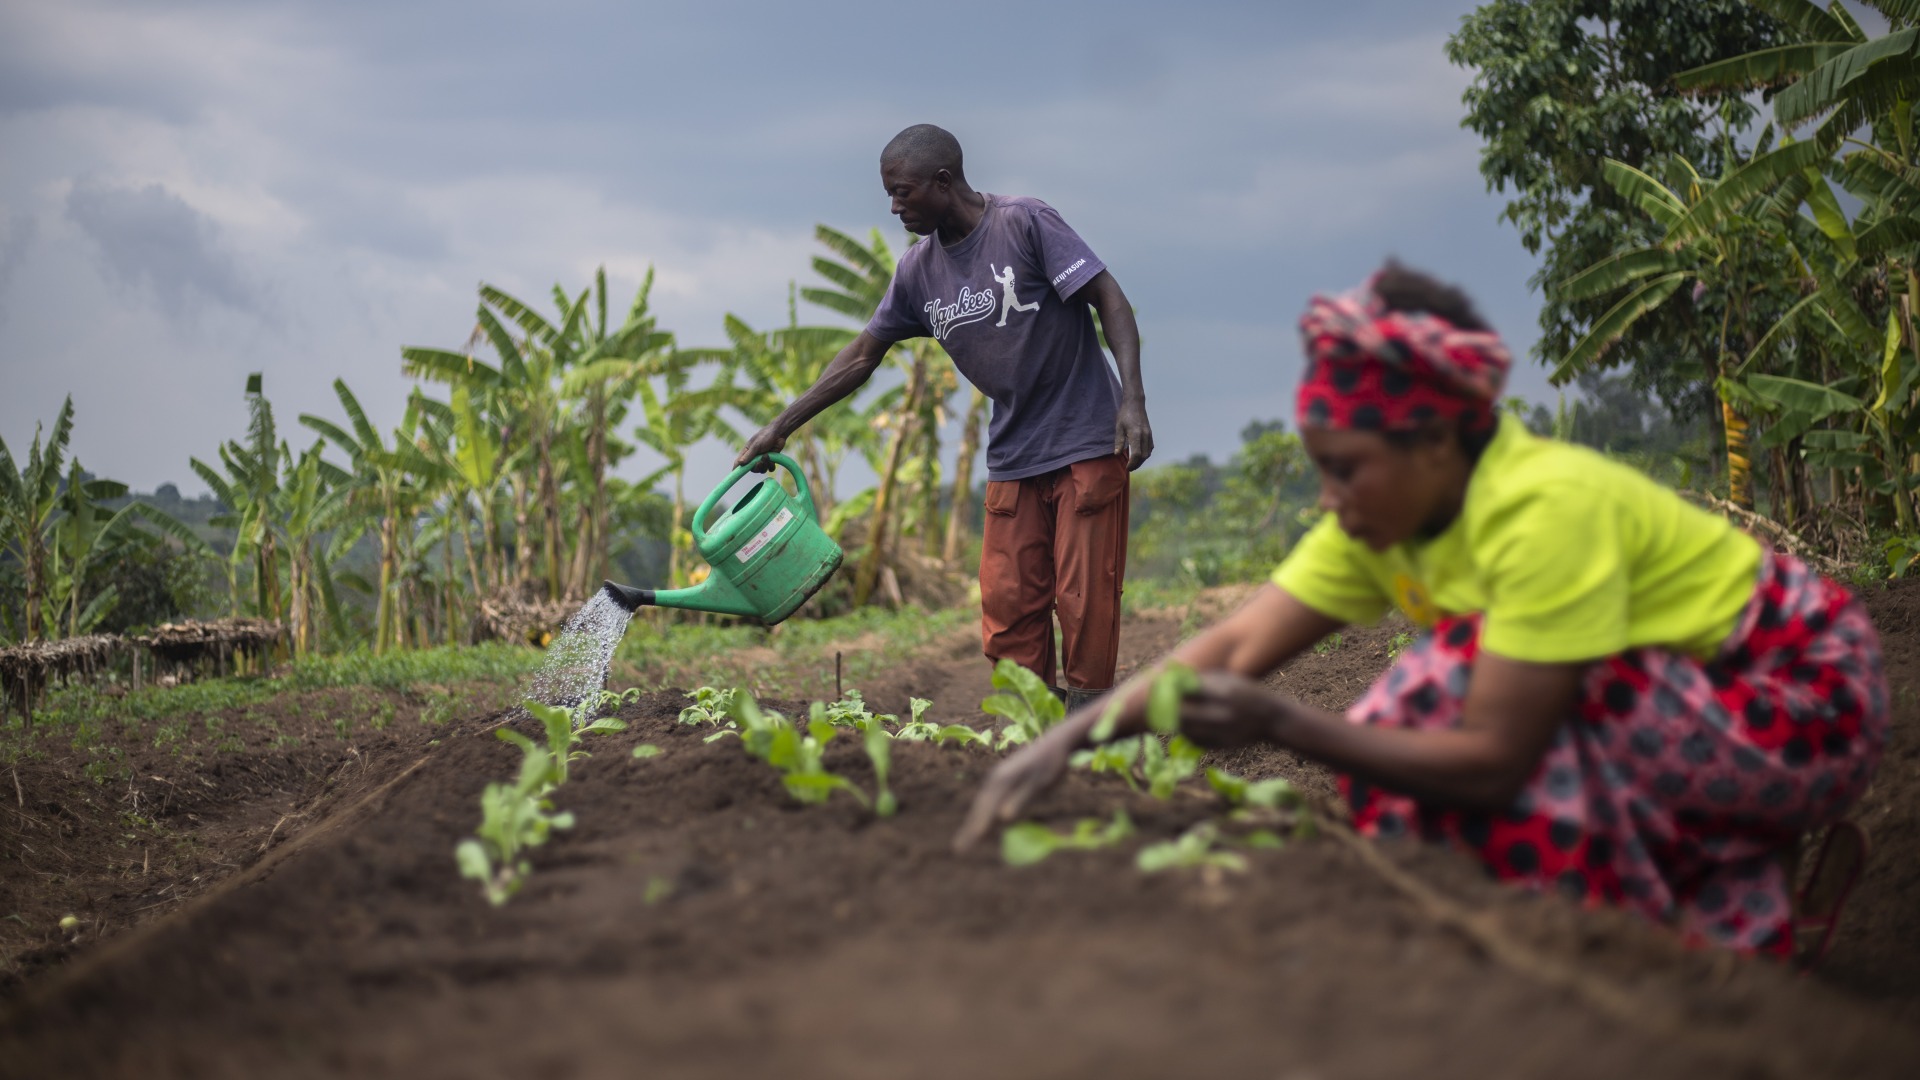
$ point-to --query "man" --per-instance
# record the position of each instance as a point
(1064, 433)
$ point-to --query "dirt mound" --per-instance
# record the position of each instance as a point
(698, 922)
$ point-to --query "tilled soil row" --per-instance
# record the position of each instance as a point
(697, 922)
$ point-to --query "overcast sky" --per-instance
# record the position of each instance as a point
(193, 191)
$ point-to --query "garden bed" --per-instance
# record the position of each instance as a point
(697, 921)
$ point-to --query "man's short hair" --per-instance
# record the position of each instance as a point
(925, 149)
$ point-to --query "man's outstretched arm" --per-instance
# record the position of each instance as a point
(1131, 432)
(849, 371)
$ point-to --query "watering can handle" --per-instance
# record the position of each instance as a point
(712, 500)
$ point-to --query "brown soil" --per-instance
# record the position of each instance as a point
(697, 922)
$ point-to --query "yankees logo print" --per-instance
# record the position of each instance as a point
(971, 307)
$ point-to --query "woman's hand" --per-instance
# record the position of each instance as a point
(1020, 778)
(1229, 711)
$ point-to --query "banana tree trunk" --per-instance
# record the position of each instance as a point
(878, 520)
(449, 580)
(1739, 470)
(673, 531)
(550, 520)
(300, 608)
(960, 510)
(383, 616)
(36, 566)
(931, 534)
(522, 534)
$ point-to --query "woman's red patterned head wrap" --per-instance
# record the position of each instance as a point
(1371, 369)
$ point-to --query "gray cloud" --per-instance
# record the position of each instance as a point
(151, 236)
(17, 231)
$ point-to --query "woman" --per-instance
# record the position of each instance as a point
(1620, 696)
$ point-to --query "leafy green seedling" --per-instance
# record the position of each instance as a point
(1174, 682)
(514, 818)
(1030, 704)
(880, 751)
(563, 734)
(1273, 794)
(1029, 842)
(918, 728)
(768, 736)
(921, 729)
(646, 750)
(850, 711)
(658, 889)
(1194, 848)
(962, 734)
(1165, 766)
(1112, 757)
(710, 706)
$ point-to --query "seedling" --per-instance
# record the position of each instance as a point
(1326, 645)
(1029, 842)
(850, 711)
(1030, 704)
(1175, 681)
(514, 818)
(770, 737)
(646, 750)
(710, 706)
(1161, 765)
(1194, 848)
(920, 729)
(962, 734)
(880, 753)
(564, 732)
(1274, 794)
(1112, 757)
(1401, 642)
(1165, 766)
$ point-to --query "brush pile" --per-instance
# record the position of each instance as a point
(26, 669)
(183, 646)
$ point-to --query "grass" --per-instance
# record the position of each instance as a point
(673, 655)
(90, 715)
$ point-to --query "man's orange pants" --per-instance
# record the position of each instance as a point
(1056, 542)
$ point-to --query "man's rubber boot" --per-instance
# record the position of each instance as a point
(1079, 699)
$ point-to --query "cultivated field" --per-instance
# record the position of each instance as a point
(697, 921)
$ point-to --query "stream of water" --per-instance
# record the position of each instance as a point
(581, 655)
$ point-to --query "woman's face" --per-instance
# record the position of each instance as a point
(1383, 494)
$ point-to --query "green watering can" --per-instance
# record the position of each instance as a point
(768, 553)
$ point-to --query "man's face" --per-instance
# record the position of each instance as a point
(920, 201)
(1381, 494)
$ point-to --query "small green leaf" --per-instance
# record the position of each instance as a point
(1027, 843)
(646, 750)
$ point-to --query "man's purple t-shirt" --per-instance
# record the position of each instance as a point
(986, 300)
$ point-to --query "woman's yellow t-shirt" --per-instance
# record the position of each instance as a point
(1569, 555)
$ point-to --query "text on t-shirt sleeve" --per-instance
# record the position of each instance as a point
(1068, 261)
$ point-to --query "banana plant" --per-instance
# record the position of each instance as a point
(28, 499)
(86, 531)
(1856, 83)
(673, 420)
(1713, 240)
(383, 493)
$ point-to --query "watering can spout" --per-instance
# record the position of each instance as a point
(626, 596)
